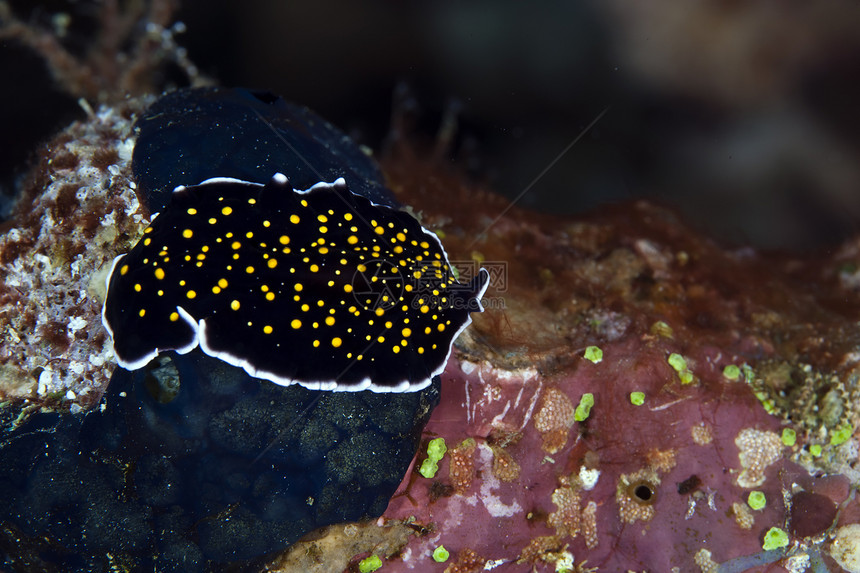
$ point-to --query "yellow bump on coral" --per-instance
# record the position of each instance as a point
(565, 519)
(743, 515)
(589, 525)
(705, 563)
(661, 460)
(461, 468)
(554, 419)
(467, 561)
(504, 466)
(537, 549)
(757, 450)
(702, 434)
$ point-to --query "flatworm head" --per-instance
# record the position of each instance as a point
(321, 288)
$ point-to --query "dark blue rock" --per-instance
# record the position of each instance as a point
(193, 465)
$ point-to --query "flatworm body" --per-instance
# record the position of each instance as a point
(322, 287)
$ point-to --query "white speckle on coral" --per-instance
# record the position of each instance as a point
(70, 395)
(588, 478)
(493, 563)
(44, 380)
(467, 367)
(76, 368)
(75, 324)
(125, 149)
(846, 547)
(565, 562)
(797, 563)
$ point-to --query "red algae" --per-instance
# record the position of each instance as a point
(659, 483)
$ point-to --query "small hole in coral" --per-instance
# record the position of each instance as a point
(642, 492)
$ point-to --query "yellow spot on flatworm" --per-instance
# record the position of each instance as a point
(329, 320)
(379, 311)
(249, 270)
(267, 329)
(222, 283)
(396, 349)
(294, 219)
(235, 245)
(322, 218)
(285, 240)
(159, 274)
(272, 263)
(212, 220)
(216, 289)
(142, 312)
(296, 323)
(227, 210)
(174, 316)
(191, 294)
(406, 332)
(316, 343)
(270, 296)
(235, 305)
(137, 287)
(347, 288)
(379, 230)
(298, 287)
(123, 269)
(315, 268)
(336, 342)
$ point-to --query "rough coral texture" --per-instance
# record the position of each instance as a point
(79, 210)
(632, 487)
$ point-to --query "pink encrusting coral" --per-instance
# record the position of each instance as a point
(704, 364)
(648, 513)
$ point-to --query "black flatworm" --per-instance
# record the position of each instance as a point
(322, 287)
